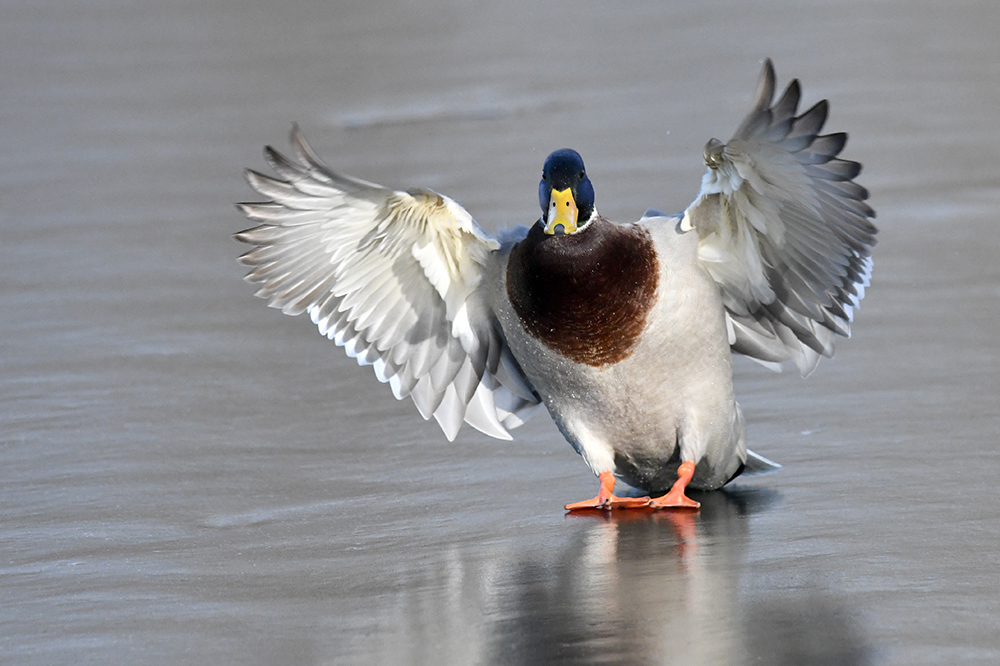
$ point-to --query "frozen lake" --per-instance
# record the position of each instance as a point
(189, 477)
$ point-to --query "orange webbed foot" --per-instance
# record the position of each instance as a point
(610, 502)
(607, 500)
(675, 498)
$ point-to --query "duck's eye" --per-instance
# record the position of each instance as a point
(583, 175)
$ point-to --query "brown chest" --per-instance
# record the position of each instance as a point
(586, 296)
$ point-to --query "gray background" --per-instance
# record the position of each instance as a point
(189, 477)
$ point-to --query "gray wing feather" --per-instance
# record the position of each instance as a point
(394, 278)
(784, 230)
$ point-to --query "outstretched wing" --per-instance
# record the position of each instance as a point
(784, 230)
(393, 277)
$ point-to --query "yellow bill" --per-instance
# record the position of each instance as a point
(563, 213)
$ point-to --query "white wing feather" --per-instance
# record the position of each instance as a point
(393, 277)
(784, 230)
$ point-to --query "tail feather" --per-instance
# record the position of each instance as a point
(758, 464)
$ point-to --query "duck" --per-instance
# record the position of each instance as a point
(625, 333)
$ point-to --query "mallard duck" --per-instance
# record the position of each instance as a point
(624, 332)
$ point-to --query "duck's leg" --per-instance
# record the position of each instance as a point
(606, 500)
(676, 498)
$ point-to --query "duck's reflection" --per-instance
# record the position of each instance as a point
(662, 587)
(623, 587)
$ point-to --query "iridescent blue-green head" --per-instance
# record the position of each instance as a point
(565, 193)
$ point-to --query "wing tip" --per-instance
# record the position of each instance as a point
(303, 150)
(765, 85)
